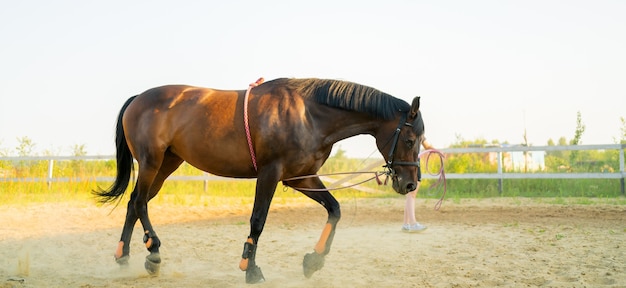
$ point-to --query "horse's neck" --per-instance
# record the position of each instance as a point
(351, 126)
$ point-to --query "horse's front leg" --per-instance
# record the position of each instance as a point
(315, 261)
(263, 197)
(248, 262)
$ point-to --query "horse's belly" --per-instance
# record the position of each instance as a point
(220, 164)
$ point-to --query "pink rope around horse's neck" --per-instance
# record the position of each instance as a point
(245, 120)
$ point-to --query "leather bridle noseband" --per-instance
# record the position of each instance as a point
(390, 158)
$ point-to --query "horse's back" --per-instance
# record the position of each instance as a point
(178, 100)
(171, 96)
(190, 121)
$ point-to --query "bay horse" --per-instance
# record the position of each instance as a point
(276, 131)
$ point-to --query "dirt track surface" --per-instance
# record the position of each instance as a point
(474, 243)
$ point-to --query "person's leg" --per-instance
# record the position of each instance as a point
(410, 223)
(409, 208)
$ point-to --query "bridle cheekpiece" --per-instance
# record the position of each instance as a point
(390, 158)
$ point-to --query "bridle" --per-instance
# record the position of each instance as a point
(389, 172)
(392, 151)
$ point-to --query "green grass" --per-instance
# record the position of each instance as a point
(484, 188)
(235, 192)
(241, 192)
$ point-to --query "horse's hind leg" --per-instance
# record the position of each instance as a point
(169, 164)
(315, 261)
(123, 249)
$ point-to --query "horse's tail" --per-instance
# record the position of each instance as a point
(124, 159)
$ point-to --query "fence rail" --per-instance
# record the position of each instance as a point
(498, 150)
(501, 175)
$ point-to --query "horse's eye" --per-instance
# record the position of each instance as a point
(410, 143)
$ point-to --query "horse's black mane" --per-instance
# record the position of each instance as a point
(347, 95)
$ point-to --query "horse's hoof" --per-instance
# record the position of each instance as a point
(254, 275)
(122, 261)
(153, 263)
(311, 263)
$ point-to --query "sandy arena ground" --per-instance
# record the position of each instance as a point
(474, 243)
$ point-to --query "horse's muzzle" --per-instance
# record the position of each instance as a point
(403, 187)
(410, 187)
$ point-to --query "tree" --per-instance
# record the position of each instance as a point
(580, 129)
(79, 150)
(526, 154)
(470, 162)
(622, 129)
(25, 146)
(578, 133)
(556, 161)
(3, 151)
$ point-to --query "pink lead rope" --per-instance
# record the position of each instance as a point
(441, 173)
(245, 120)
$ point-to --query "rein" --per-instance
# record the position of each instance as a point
(427, 153)
(245, 120)
(376, 175)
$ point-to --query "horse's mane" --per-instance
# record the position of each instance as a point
(347, 95)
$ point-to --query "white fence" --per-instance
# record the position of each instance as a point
(498, 151)
(501, 175)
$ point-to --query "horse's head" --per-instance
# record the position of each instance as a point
(401, 147)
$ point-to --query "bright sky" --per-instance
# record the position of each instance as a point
(484, 69)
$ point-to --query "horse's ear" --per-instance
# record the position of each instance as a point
(415, 107)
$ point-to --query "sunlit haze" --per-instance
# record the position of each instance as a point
(485, 69)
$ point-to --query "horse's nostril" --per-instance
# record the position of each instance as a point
(410, 187)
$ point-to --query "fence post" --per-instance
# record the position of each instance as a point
(50, 167)
(500, 180)
(621, 168)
